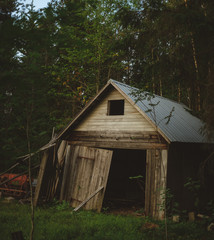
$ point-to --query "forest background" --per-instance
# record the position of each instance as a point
(54, 60)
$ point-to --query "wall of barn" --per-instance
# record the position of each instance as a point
(130, 131)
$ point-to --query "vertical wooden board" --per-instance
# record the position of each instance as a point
(152, 176)
(163, 175)
(107, 164)
(78, 194)
(156, 171)
(49, 172)
(96, 179)
(160, 188)
(76, 184)
(99, 177)
(73, 186)
(85, 169)
(61, 150)
(71, 171)
(148, 181)
(40, 177)
(74, 175)
(81, 172)
(157, 183)
(89, 170)
(87, 157)
(64, 178)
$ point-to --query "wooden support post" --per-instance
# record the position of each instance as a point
(161, 197)
(156, 172)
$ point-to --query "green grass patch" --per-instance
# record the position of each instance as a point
(56, 222)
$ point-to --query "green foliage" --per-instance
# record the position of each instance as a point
(62, 224)
(210, 210)
(55, 204)
(169, 205)
(136, 177)
(194, 187)
(54, 60)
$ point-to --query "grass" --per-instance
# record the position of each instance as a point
(56, 222)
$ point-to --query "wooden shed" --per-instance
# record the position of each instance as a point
(121, 134)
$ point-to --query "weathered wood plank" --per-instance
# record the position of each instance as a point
(106, 163)
(116, 127)
(156, 170)
(96, 136)
(121, 145)
(87, 158)
(99, 177)
(128, 117)
(116, 139)
(147, 184)
(152, 183)
(40, 177)
(107, 133)
(99, 119)
(157, 182)
(65, 173)
(74, 175)
(89, 198)
(61, 151)
(163, 175)
(85, 174)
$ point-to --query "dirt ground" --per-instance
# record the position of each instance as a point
(120, 207)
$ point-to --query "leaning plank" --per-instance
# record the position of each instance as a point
(40, 177)
(66, 170)
(87, 199)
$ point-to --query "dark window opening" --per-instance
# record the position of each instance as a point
(116, 107)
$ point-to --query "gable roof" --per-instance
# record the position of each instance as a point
(173, 120)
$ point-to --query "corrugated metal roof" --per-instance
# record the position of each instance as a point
(173, 119)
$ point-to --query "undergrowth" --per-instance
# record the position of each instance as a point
(58, 222)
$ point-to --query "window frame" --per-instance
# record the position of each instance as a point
(111, 108)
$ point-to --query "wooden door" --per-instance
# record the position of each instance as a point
(86, 169)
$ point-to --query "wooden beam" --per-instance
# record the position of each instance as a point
(121, 145)
(116, 136)
(89, 198)
(156, 171)
(109, 132)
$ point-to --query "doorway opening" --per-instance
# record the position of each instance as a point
(126, 181)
